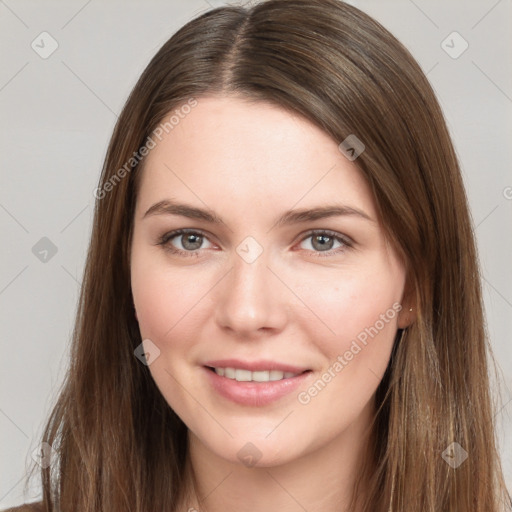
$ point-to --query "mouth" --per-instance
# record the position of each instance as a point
(255, 388)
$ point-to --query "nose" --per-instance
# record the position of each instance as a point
(251, 300)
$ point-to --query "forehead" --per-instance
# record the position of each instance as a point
(229, 152)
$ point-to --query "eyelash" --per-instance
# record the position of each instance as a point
(167, 237)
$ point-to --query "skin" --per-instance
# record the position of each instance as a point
(250, 162)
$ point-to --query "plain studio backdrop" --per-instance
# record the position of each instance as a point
(66, 71)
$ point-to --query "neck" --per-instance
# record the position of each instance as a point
(322, 479)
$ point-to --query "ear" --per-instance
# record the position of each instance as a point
(406, 317)
(407, 314)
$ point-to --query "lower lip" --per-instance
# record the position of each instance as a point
(254, 393)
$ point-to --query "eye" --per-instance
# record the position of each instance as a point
(189, 239)
(322, 241)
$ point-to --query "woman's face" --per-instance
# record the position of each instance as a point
(253, 285)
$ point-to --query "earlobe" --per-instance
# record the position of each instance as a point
(406, 317)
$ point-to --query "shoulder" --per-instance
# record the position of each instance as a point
(28, 507)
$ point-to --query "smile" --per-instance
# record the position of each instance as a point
(253, 388)
(242, 375)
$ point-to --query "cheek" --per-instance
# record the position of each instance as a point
(355, 331)
(167, 303)
(359, 300)
(364, 318)
(164, 297)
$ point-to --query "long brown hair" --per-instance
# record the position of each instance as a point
(120, 446)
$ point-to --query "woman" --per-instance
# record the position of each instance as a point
(281, 306)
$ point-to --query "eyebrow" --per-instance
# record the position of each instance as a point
(168, 207)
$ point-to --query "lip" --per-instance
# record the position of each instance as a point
(254, 394)
(255, 366)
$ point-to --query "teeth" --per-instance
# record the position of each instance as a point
(262, 376)
(229, 373)
(275, 375)
(243, 375)
(257, 376)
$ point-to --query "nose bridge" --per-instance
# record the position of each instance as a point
(251, 298)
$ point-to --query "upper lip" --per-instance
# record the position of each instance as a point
(255, 366)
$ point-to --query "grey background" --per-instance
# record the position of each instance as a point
(57, 115)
